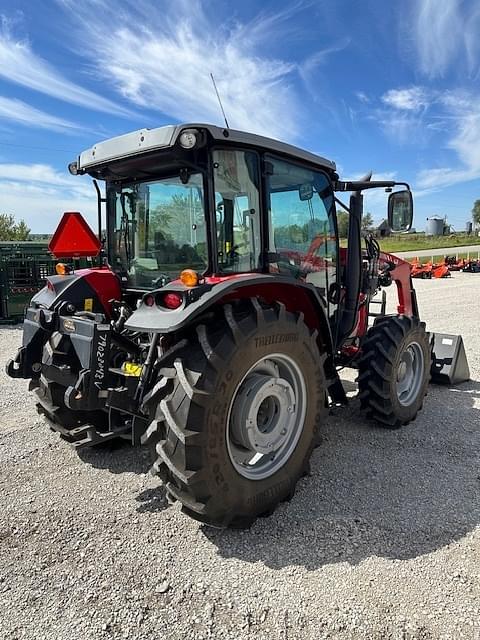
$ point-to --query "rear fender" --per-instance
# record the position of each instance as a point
(87, 289)
(296, 296)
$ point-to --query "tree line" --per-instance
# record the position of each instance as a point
(342, 223)
(174, 214)
(10, 230)
(476, 213)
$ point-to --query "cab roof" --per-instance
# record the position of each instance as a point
(146, 141)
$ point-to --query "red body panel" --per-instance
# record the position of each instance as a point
(105, 284)
(294, 298)
(401, 277)
(362, 318)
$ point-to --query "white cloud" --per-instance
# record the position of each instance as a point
(445, 33)
(380, 176)
(401, 127)
(164, 63)
(402, 113)
(466, 142)
(411, 99)
(463, 109)
(42, 173)
(320, 57)
(362, 96)
(415, 115)
(438, 33)
(19, 64)
(472, 43)
(444, 177)
(17, 111)
(39, 194)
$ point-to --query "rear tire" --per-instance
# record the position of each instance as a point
(394, 370)
(200, 452)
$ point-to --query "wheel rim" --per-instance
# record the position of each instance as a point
(266, 416)
(410, 374)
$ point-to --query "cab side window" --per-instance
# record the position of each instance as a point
(236, 180)
(302, 236)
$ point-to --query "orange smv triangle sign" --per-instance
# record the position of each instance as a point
(73, 238)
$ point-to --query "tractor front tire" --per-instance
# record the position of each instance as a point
(394, 370)
(236, 413)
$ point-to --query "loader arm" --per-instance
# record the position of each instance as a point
(399, 271)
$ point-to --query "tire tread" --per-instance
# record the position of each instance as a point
(179, 462)
(376, 367)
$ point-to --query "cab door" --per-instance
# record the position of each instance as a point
(302, 226)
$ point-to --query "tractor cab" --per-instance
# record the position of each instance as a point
(218, 202)
(222, 204)
(220, 312)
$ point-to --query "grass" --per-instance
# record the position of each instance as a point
(419, 241)
(474, 255)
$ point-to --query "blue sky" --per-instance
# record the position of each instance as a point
(389, 87)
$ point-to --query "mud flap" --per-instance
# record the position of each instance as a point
(449, 362)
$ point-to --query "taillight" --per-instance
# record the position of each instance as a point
(172, 300)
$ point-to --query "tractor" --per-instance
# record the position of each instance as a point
(217, 313)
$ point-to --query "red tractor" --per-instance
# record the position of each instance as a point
(219, 313)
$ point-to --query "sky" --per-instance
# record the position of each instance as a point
(392, 88)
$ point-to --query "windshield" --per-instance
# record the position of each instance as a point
(159, 230)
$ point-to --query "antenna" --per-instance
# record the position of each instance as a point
(219, 101)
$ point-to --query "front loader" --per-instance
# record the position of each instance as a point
(219, 313)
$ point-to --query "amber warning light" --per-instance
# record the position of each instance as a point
(73, 238)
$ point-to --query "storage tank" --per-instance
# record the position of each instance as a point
(434, 226)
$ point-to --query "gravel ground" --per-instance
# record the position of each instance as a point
(381, 541)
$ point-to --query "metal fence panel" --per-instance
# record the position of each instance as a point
(24, 268)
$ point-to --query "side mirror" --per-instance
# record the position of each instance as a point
(400, 210)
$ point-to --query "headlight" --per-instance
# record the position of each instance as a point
(188, 138)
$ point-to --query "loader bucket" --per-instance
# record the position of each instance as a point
(449, 361)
